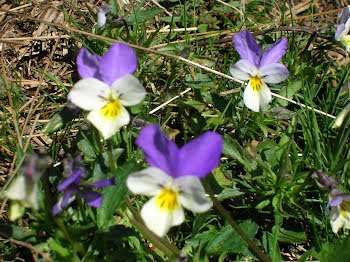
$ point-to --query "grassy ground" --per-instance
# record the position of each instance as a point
(184, 50)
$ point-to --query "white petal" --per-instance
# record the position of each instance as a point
(129, 89)
(101, 19)
(17, 189)
(192, 195)
(108, 127)
(336, 220)
(32, 197)
(243, 70)
(256, 100)
(158, 220)
(148, 181)
(274, 73)
(89, 94)
(16, 210)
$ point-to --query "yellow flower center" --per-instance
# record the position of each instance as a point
(347, 40)
(256, 83)
(342, 208)
(112, 109)
(167, 199)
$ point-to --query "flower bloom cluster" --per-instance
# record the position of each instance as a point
(107, 86)
(338, 207)
(173, 180)
(72, 186)
(342, 33)
(258, 69)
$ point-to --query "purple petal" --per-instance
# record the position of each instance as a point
(87, 64)
(56, 209)
(274, 53)
(343, 15)
(339, 31)
(105, 182)
(247, 47)
(92, 198)
(336, 201)
(118, 61)
(68, 197)
(159, 150)
(72, 181)
(200, 156)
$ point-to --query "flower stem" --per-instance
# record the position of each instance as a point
(161, 243)
(110, 155)
(227, 216)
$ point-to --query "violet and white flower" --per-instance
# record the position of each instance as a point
(342, 33)
(339, 213)
(72, 186)
(101, 15)
(23, 190)
(258, 69)
(173, 180)
(107, 86)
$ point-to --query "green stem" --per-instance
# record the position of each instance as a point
(81, 207)
(227, 216)
(98, 139)
(76, 246)
(110, 155)
(161, 243)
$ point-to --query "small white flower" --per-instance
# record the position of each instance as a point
(339, 214)
(258, 69)
(169, 196)
(107, 86)
(106, 103)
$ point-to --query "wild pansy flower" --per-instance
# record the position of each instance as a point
(107, 86)
(101, 15)
(342, 33)
(23, 190)
(339, 213)
(338, 207)
(173, 180)
(72, 186)
(258, 69)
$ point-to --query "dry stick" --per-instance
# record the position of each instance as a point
(41, 79)
(31, 133)
(32, 38)
(169, 101)
(227, 216)
(10, 100)
(160, 53)
(29, 246)
(162, 7)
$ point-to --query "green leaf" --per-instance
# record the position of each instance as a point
(57, 248)
(14, 231)
(289, 236)
(195, 104)
(289, 91)
(220, 178)
(234, 150)
(200, 80)
(229, 193)
(117, 152)
(141, 16)
(85, 146)
(113, 196)
(337, 251)
(228, 240)
(268, 244)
